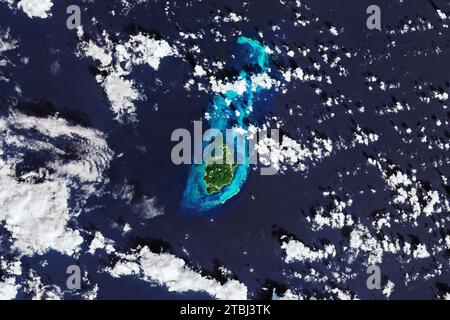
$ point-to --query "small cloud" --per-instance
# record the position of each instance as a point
(148, 208)
(55, 67)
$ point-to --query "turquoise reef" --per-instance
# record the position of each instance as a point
(230, 108)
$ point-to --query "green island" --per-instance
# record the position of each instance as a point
(219, 174)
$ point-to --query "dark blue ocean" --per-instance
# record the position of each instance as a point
(244, 234)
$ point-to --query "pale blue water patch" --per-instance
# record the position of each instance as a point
(230, 109)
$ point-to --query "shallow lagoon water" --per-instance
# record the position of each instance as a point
(229, 110)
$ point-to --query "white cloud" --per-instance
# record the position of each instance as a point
(333, 31)
(292, 153)
(100, 242)
(287, 295)
(40, 291)
(7, 43)
(239, 86)
(8, 289)
(166, 269)
(139, 49)
(36, 8)
(297, 251)
(142, 49)
(122, 94)
(388, 289)
(37, 213)
(148, 208)
(99, 54)
(199, 71)
(8, 283)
